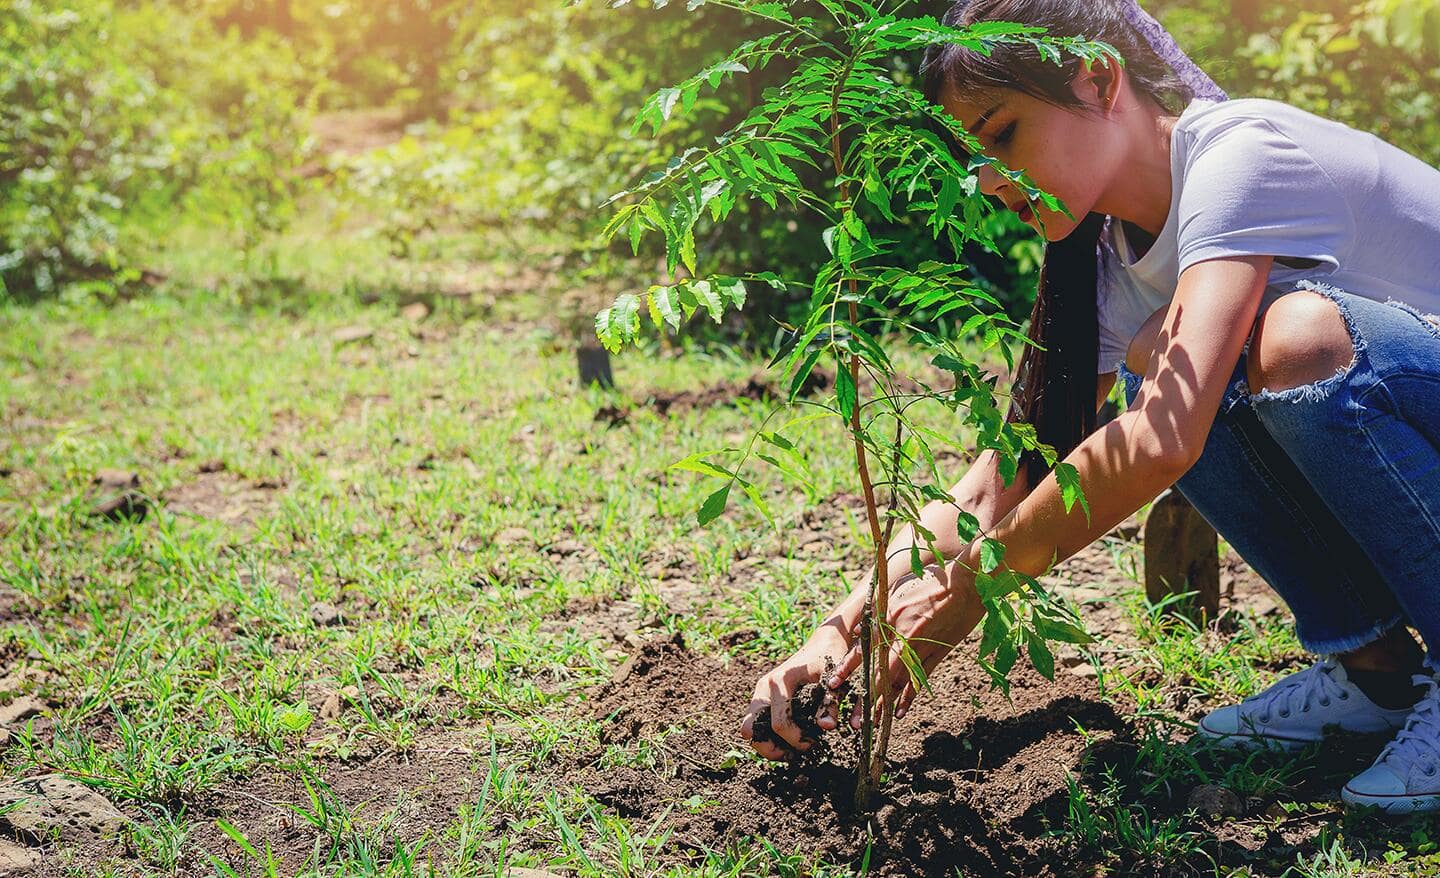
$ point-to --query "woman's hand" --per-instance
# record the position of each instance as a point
(775, 696)
(933, 613)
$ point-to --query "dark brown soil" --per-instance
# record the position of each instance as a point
(974, 783)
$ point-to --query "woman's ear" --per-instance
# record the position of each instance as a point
(1099, 86)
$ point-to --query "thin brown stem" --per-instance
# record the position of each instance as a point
(877, 607)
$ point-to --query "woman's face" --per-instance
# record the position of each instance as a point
(1066, 152)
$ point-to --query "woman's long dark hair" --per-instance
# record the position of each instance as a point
(1054, 388)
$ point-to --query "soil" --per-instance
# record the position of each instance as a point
(974, 783)
(219, 495)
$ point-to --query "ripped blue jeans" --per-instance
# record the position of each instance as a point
(1331, 490)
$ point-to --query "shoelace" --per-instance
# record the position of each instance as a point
(1299, 691)
(1419, 740)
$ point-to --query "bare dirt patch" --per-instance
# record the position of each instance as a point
(218, 495)
(974, 783)
(978, 784)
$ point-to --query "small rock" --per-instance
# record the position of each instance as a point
(350, 334)
(130, 505)
(14, 858)
(18, 711)
(4, 737)
(332, 707)
(211, 466)
(1082, 670)
(565, 548)
(1215, 802)
(51, 805)
(415, 312)
(511, 536)
(323, 615)
(517, 872)
(116, 478)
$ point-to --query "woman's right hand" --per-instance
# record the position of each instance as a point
(775, 692)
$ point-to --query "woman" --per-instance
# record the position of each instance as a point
(1300, 417)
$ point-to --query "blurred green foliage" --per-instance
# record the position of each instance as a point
(115, 119)
(125, 118)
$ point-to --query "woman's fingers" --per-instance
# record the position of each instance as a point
(747, 722)
(769, 749)
(845, 667)
(781, 721)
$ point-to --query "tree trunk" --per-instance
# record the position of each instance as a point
(1182, 553)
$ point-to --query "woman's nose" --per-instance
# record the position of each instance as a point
(990, 180)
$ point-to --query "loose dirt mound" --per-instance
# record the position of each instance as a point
(975, 782)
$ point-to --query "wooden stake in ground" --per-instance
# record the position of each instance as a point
(1182, 553)
(593, 363)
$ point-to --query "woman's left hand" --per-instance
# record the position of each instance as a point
(931, 613)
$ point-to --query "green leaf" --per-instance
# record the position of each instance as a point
(967, 526)
(845, 394)
(713, 506)
(1040, 655)
(733, 289)
(917, 567)
(917, 670)
(1059, 630)
(778, 440)
(992, 552)
(1069, 478)
(1005, 656)
(758, 499)
(666, 303)
(803, 372)
(294, 717)
(707, 295)
(697, 464)
(996, 629)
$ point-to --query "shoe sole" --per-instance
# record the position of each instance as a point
(1392, 804)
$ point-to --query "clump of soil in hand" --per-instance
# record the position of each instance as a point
(809, 704)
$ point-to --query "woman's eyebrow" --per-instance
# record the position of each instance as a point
(984, 117)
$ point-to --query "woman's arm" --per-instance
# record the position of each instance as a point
(1128, 461)
(1121, 466)
(981, 491)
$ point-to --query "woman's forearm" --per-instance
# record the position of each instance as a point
(981, 492)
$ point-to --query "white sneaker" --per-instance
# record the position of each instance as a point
(1300, 709)
(1405, 777)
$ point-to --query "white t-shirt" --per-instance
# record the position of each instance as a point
(1256, 177)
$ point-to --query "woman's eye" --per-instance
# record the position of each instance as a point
(1004, 136)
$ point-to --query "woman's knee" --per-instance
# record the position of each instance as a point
(1301, 338)
(1142, 346)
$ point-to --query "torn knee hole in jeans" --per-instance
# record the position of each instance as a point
(1319, 390)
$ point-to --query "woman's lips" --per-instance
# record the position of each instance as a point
(1025, 213)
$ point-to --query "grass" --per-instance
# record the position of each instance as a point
(445, 490)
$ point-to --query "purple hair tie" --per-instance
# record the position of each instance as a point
(1200, 85)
